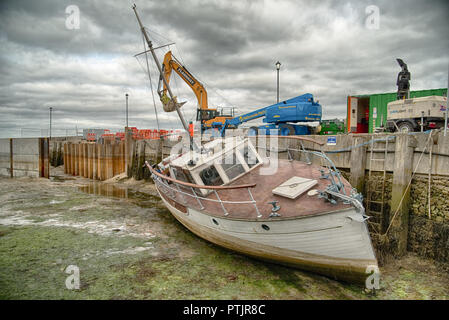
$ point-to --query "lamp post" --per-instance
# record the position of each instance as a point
(126, 95)
(278, 66)
(51, 109)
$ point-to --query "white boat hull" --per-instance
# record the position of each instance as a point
(336, 244)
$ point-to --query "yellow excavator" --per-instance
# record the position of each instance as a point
(208, 117)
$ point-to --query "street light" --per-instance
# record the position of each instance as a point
(126, 95)
(51, 109)
(278, 66)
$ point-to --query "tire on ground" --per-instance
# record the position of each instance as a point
(405, 127)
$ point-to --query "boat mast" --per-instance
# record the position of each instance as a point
(150, 46)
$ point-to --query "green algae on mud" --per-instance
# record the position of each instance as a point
(132, 248)
(33, 260)
(41, 254)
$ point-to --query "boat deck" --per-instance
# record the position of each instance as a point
(303, 205)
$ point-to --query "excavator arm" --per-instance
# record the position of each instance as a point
(171, 63)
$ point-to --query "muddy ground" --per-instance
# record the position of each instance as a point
(128, 246)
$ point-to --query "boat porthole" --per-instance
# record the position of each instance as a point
(265, 227)
(215, 221)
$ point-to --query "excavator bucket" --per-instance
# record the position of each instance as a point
(170, 105)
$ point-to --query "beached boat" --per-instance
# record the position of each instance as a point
(301, 216)
(295, 212)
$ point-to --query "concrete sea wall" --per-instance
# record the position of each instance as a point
(24, 157)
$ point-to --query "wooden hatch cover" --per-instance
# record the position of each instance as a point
(294, 187)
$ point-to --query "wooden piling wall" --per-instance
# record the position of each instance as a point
(94, 160)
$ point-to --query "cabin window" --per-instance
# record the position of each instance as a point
(211, 177)
(232, 166)
(250, 156)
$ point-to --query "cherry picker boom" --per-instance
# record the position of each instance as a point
(283, 117)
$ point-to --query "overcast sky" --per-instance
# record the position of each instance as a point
(328, 48)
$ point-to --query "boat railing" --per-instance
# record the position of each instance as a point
(300, 138)
(173, 187)
(333, 174)
(336, 188)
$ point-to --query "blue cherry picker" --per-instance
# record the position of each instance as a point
(283, 117)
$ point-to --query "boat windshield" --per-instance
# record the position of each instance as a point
(232, 166)
(220, 166)
(249, 156)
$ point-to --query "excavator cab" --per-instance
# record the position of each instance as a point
(206, 114)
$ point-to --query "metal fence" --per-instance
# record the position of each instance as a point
(40, 133)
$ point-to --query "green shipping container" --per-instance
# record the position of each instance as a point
(378, 102)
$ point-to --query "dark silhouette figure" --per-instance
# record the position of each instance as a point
(403, 81)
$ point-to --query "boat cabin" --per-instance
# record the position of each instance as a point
(224, 161)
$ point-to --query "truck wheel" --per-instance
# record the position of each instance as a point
(405, 127)
(286, 130)
(253, 131)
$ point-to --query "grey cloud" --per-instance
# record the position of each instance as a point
(232, 46)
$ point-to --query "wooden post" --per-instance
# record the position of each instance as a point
(65, 158)
(69, 159)
(114, 159)
(140, 160)
(60, 153)
(129, 151)
(81, 150)
(44, 157)
(11, 158)
(99, 162)
(358, 164)
(402, 173)
(122, 156)
(85, 160)
(70, 166)
(69, 146)
(103, 160)
(72, 159)
(95, 161)
(77, 162)
(108, 161)
(90, 164)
